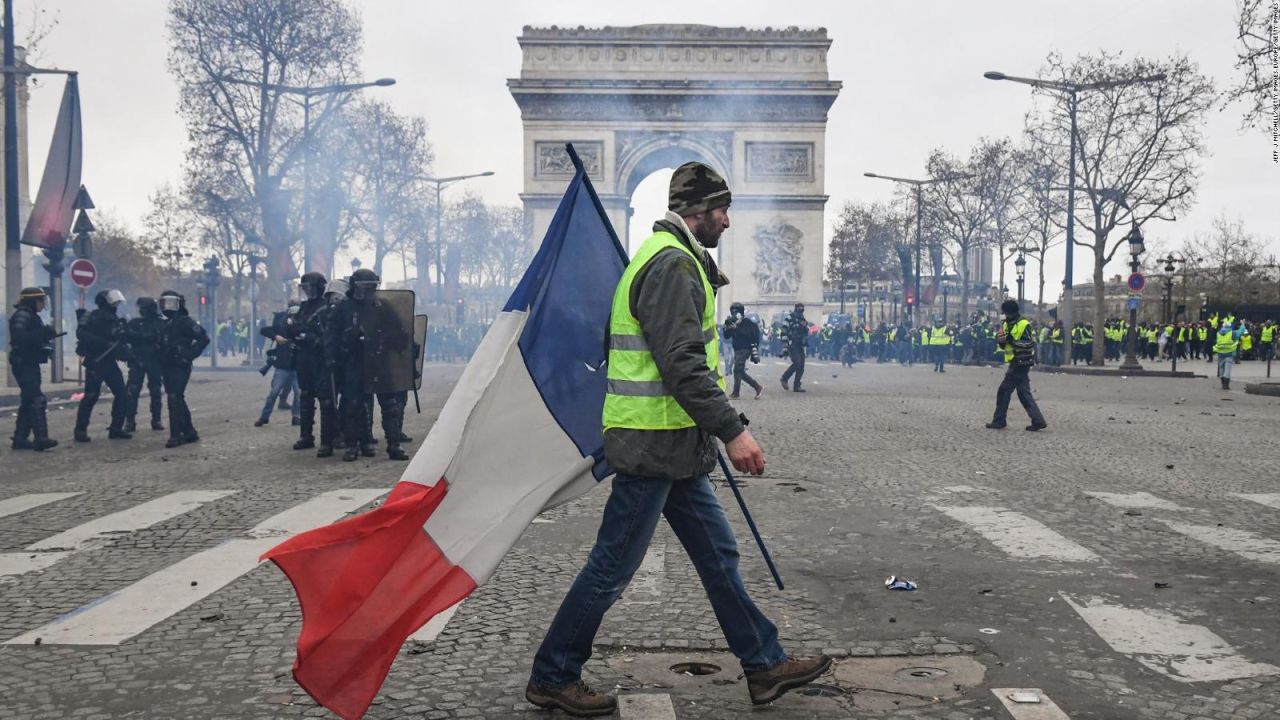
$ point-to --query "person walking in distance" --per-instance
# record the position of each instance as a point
(182, 340)
(30, 346)
(663, 412)
(744, 335)
(1019, 347)
(1226, 345)
(939, 343)
(796, 333)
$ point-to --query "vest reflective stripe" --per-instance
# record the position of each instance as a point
(637, 398)
(939, 336)
(1014, 333)
(1226, 344)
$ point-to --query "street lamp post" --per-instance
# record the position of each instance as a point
(919, 189)
(1136, 248)
(307, 93)
(211, 274)
(1073, 90)
(1021, 266)
(420, 255)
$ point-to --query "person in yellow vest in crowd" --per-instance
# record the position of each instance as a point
(1019, 347)
(1225, 346)
(1246, 342)
(1267, 338)
(1056, 340)
(664, 410)
(1201, 346)
(939, 339)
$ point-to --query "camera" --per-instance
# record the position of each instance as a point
(271, 362)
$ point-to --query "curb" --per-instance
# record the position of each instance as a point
(1263, 388)
(1100, 372)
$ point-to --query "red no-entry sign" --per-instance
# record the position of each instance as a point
(83, 273)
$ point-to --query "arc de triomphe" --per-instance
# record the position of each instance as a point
(633, 100)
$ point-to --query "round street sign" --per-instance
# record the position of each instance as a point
(1137, 282)
(83, 273)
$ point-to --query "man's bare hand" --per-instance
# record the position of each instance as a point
(745, 454)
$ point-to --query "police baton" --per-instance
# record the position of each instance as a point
(733, 484)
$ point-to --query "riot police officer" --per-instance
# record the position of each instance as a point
(797, 336)
(346, 338)
(314, 382)
(143, 336)
(182, 340)
(101, 335)
(30, 346)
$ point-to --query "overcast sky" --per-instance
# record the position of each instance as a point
(912, 75)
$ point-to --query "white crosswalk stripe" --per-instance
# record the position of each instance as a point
(646, 586)
(1271, 500)
(1164, 643)
(116, 617)
(1241, 542)
(1029, 704)
(646, 706)
(23, 503)
(429, 632)
(1137, 500)
(1018, 535)
(46, 552)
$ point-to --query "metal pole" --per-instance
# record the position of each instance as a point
(306, 183)
(1065, 312)
(914, 306)
(439, 262)
(12, 233)
(1131, 340)
(253, 311)
(213, 320)
(56, 256)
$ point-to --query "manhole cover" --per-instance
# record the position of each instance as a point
(820, 690)
(695, 668)
(920, 673)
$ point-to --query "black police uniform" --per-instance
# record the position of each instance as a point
(743, 332)
(101, 336)
(797, 332)
(29, 347)
(143, 336)
(182, 340)
(315, 384)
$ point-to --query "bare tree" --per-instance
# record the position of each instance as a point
(1002, 169)
(1224, 262)
(1255, 51)
(251, 132)
(1045, 210)
(958, 210)
(1137, 149)
(862, 245)
(166, 229)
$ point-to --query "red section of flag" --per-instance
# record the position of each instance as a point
(365, 584)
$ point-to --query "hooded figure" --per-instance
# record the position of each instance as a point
(30, 345)
(1018, 343)
(102, 344)
(182, 340)
(143, 335)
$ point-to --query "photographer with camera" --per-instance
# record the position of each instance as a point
(282, 358)
(745, 336)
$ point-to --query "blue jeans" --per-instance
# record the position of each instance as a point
(280, 380)
(630, 517)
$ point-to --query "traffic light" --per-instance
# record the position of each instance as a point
(461, 311)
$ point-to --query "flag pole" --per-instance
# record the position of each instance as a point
(733, 484)
(595, 199)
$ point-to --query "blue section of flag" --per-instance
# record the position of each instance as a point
(568, 293)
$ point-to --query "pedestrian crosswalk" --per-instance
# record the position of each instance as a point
(1178, 641)
(1161, 639)
(131, 610)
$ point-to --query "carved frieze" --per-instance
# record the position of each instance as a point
(551, 161)
(630, 142)
(625, 106)
(773, 161)
(779, 248)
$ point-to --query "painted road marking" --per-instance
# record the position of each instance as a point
(1164, 643)
(1046, 709)
(963, 489)
(1134, 500)
(1271, 500)
(130, 520)
(429, 632)
(646, 706)
(645, 587)
(1019, 535)
(23, 503)
(95, 533)
(1247, 545)
(114, 618)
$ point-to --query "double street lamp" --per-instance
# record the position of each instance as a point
(1072, 91)
(440, 184)
(919, 189)
(308, 92)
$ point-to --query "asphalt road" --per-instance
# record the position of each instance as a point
(1123, 562)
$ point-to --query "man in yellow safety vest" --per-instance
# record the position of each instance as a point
(665, 408)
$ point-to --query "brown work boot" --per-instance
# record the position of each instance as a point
(765, 686)
(575, 699)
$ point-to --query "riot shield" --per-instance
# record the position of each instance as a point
(420, 347)
(386, 323)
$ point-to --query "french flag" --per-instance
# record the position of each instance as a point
(520, 433)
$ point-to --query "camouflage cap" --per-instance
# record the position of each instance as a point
(696, 188)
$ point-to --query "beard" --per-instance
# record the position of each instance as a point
(708, 232)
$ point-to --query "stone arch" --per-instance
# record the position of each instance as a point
(752, 104)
